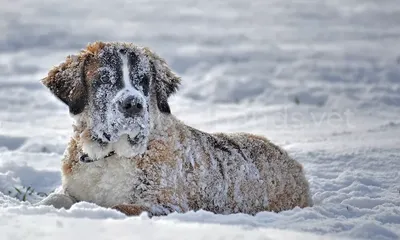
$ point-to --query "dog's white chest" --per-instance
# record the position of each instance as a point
(105, 182)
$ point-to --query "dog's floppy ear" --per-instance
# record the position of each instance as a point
(165, 82)
(67, 83)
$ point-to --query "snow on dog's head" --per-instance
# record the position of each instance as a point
(113, 91)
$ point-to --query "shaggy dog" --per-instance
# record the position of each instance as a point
(128, 152)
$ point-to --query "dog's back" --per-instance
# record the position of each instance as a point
(244, 173)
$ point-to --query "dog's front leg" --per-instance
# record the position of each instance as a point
(132, 209)
(58, 201)
(136, 209)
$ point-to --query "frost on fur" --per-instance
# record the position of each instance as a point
(143, 159)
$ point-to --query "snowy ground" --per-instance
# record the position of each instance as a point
(320, 78)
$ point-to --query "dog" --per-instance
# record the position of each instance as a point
(130, 153)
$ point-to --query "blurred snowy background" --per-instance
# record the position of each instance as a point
(320, 78)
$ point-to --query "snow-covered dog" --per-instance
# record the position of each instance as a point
(130, 153)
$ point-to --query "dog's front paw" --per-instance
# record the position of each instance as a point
(57, 200)
(132, 209)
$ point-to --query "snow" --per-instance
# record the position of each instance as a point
(244, 65)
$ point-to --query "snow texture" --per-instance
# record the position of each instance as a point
(319, 78)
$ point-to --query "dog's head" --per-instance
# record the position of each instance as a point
(113, 90)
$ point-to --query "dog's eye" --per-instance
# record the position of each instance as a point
(104, 77)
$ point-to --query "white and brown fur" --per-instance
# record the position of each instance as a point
(171, 166)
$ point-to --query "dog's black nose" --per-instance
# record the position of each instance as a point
(130, 106)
